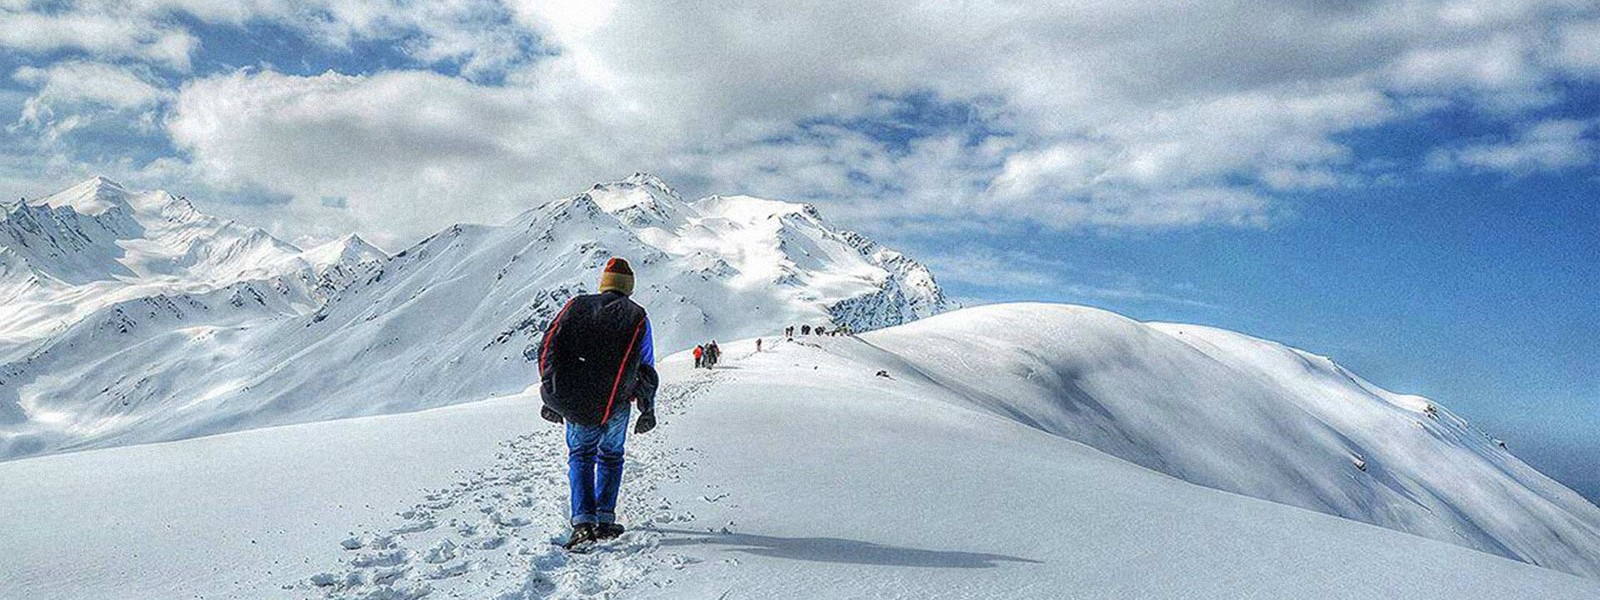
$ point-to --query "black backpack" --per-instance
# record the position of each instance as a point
(589, 365)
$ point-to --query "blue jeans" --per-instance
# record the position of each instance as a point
(594, 467)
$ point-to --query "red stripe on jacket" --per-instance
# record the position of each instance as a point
(621, 369)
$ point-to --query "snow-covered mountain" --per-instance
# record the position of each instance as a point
(97, 230)
(96, 244)
(134, 318)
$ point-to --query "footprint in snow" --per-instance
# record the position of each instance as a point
(481, 551)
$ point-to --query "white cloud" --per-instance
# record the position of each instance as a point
(410, 150)
(99, 33)
(1157, 114)
(1551, 145)
(1579, 46)
(989, 268)
(72, 95)
(77, 81)
(480, 35)
(1027, 275)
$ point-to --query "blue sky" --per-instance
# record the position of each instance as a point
(1408, 186)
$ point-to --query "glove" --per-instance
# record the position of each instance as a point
(549, 415)
(647, 421)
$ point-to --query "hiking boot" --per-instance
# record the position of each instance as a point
(582, 533)
(607, 531)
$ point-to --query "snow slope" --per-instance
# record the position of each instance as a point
(1249, 416)
(793, 473)
(174, 325)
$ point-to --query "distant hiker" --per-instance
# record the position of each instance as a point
(758, 344)
(699, 356)
(805, 330)
(788, 332)
(715, 354)
(596, 359)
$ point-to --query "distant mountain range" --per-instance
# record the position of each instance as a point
(132, 317)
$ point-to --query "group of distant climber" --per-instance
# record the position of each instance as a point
(788, 332)
(707, 355)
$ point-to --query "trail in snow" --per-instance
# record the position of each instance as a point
(493, 534)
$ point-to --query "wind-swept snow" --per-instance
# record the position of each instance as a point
(798, 472)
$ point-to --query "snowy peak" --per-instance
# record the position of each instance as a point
(98, 196)
(99, 230)
(91, 197)
(651, 182)
(641, 200)
(66, 256)
(348, 250)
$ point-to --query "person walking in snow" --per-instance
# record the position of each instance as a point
(699, 355)
(713, 354)
(758, 344)
(805, 330)
(597, 358)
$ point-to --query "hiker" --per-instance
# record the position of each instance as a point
(596, 359)
(805, 330)
(714, 352)
(788, 332)
(699, 356)
(758, 344)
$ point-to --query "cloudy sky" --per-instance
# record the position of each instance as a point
(1409, 186)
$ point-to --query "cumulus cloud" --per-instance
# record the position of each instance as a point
(409, 150)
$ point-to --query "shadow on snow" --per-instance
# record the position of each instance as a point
(835, 550)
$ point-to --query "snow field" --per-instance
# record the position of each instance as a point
(795, 472)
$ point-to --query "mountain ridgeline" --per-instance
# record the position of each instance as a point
(131, 317)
